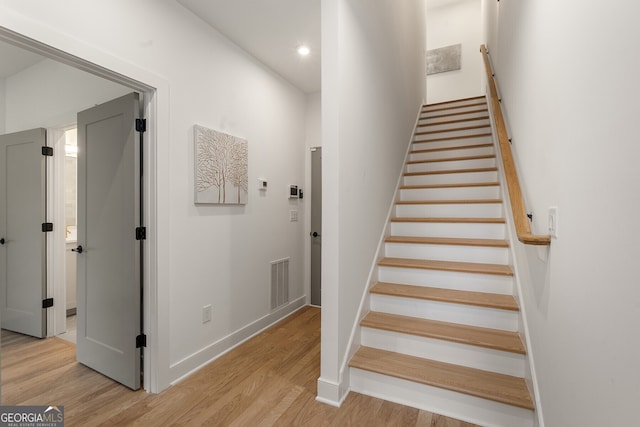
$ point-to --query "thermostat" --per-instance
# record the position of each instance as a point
(293, 191)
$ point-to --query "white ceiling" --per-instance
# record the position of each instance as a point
(271, 31)
(14, 59)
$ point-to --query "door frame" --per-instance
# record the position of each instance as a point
(155, 102)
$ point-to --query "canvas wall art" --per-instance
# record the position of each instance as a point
(221, 167)
(444, 59)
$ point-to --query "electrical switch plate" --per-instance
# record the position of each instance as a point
(293, 215)
(206, 313)
(553, 222)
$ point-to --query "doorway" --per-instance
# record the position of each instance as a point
(316, 226)
(56, 253)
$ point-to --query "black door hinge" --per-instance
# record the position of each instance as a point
(141, 233)
(47, 226)
(47, 151)
(141, 125)
(46, 303)
(141, 341)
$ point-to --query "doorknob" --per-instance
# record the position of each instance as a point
(315, 234)
(2, 241)
(78, 249)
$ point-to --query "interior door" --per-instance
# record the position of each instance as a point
(108, 267)
(22, 240)
(316, 225)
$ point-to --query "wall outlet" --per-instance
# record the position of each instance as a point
(553, 222)
(206, 313)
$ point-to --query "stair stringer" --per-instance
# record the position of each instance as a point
(363, 308)
(516, 265)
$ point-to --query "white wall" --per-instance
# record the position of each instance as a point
(2, 106)
(372, 88)
(568, 73)
(206, 254)
(50, 94)
(452, 23)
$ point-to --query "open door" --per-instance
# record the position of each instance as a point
(23, 232)
(108, 281)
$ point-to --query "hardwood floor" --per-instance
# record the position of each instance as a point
(268, 381)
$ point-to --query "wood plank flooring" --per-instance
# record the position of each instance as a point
(268, 381)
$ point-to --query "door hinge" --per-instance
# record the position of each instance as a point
(47, 226)
(47, 151)
(46, 303)
(141, 125)
(141, 233)
(141, 341)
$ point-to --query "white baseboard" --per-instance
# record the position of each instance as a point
(190, 364)
(331, 393)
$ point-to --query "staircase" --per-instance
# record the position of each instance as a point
(442, 333)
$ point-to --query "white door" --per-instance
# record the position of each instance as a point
(22, 240)
(108, 281)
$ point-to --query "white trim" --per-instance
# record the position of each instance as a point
(354, 338)
(196, 361)
(330, 393)
(56, 271)
(44, 40)
(514, 243)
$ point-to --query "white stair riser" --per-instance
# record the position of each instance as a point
(423, 144)
(451, 178)
(448, 154)
(447, 279)
(427, 142)
(482, 254)
(455, 103)
(451, 193)
(442, 125)
(451, 164)
(459, 132)
(436, 117)
(436, 110)
(440, 401)
(446, 312)
(471, 210)
(472, 356)
(462, 230)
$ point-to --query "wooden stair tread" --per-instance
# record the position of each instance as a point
(464, 267)
(460, 129)
(455, 220)
(443, 172)
(453, 138)
(454, 296)
(493, 243)
(452, 159)
(462, 147)
(488, 385)
(448, 202)
(451, 122)
(452, 101)
(495, 339)
(454, 185)
(460, 113)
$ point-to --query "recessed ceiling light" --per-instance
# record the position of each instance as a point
(303, 50)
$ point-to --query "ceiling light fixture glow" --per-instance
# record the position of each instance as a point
(303, 50)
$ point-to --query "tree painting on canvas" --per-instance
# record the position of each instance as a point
(221, 167)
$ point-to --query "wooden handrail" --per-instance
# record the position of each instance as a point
(523, 229)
